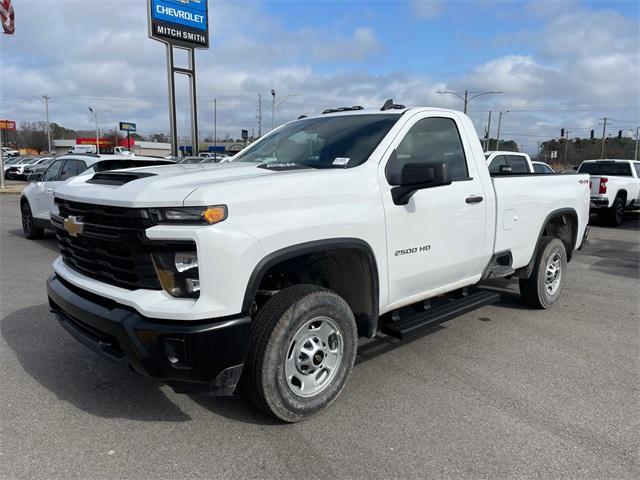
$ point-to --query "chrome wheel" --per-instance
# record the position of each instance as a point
(314, 356)
(553, 273)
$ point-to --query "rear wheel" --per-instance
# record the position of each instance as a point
(543, 288)
(303, 345)
(616, 212)
(28, 226)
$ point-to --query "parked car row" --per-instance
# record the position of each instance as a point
(18, 168)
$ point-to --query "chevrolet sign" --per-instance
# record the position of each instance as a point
(183, 23)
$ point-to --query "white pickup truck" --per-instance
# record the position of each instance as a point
(269, 267)
(615, 186)
(509, 162)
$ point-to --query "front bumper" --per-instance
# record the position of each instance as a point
(190, 356)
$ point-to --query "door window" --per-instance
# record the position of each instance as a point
(432, 140)
(518, 164)
(496, 163)
(72, 168)
(53, 172)
(637, 167)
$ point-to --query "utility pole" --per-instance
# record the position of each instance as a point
(273, 108)
(605, 122)
(465, 97)
(215, 122)
(499, 125)
(487, 140)
(46, 111)
(635, 156)
(259, 115)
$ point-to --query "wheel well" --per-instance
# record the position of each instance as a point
(565, 227)
(348, 271)
(622, 194)
(562, 224)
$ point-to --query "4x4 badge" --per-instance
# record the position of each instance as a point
(73, 225)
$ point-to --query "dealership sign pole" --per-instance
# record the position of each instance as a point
(128, 127)
(4, 125)
(182, 24)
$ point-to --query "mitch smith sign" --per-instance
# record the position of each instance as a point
(183, 23)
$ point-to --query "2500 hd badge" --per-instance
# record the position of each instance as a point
(407, 251)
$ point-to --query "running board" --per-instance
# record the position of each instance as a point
(416, 323)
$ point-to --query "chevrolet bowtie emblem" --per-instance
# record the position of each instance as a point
(73, 225)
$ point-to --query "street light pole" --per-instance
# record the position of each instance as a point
(499, 125)
(95, 114)
(273, 108)
(466, 98)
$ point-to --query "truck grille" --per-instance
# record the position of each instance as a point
(112, 247)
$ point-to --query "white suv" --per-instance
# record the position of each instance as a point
(36, 201)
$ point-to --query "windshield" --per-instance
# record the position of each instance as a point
(338, 141)
(621, 169)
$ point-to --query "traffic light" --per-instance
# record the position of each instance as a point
(619, 134)
(562, 133)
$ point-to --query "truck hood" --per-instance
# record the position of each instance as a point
(158, 186)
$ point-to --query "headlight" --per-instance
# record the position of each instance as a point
(190, 215)
(178, 273)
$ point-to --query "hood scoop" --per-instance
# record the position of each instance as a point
(117, 178)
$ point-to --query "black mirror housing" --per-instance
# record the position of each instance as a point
(34, 177)
(576, 168)
(417, 176)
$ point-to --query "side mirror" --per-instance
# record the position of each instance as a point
(576, 167)
(34, 177)
(506, 169)
(416, 176)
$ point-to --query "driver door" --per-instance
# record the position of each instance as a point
(43, 198)
(437, 241)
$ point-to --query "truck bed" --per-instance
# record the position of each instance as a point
(524, 201)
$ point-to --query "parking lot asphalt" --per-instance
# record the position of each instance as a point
(501, 392)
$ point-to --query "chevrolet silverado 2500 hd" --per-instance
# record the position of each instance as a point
(615, 186)
(269, 267)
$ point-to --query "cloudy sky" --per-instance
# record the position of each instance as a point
(559, 63)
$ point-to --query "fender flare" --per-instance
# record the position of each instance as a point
(317, 246)
(525, 272)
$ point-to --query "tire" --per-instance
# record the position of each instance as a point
(615, 214)
(544, 287)
(29, 228)
(297, 320)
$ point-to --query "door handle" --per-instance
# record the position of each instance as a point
(474, 199)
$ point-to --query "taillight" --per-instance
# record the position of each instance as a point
(603, 185)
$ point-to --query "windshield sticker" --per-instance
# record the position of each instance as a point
(341, 161)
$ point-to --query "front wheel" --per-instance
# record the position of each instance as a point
(303, 346)
(543, 288)
(28, 225)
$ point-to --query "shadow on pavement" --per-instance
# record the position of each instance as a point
(49, 241)
(77, 376)
(631, 222)
(97, 386)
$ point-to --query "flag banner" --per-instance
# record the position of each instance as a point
(7, 17)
